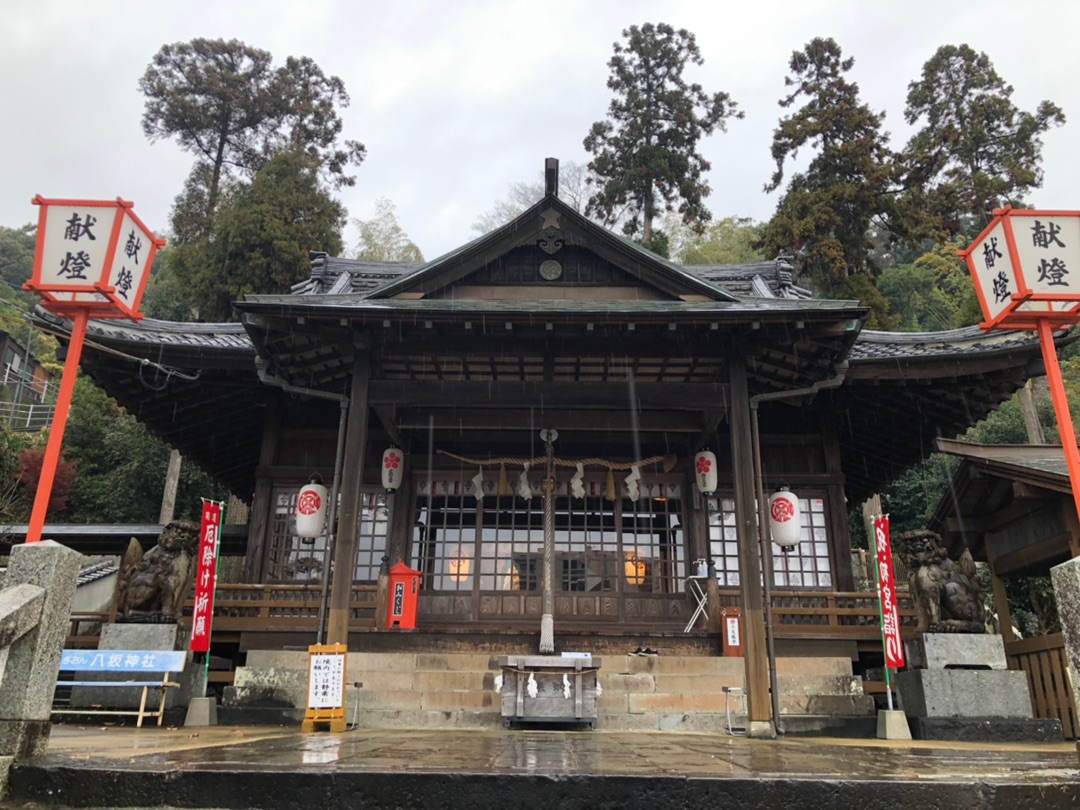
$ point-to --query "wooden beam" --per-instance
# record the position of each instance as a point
(648, 396)
(501, 419)
(385, 413)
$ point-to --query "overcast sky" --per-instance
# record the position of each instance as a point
(456, 100)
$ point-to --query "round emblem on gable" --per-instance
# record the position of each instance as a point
(550, 270)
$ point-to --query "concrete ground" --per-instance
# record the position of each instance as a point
(108, 766)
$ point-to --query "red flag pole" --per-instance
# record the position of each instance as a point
(59, 422)
(881, 611)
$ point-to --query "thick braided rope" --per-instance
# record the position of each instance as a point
(668, 461)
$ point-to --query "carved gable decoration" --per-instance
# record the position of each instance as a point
(551, 252)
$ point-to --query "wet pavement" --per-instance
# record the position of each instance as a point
(93, 766)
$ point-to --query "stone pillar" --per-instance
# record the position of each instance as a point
(29, 679)
(1066, 579)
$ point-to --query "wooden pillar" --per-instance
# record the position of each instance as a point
(1001, 599)
(261, 502)
(742, 466)
(172, 483)
(348, 521)
(835, 502)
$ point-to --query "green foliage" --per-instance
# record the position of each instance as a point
(226, 102)
(120, 467)
(728, 241)
(645, 156)
(934, 292)
(382, 239)
(261, 241)
(165, 297)
(17, 254)
(976, 150)
(826, 212)
(912, 498)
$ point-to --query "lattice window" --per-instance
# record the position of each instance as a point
(498, 545)
(806, 566)
(301, 559)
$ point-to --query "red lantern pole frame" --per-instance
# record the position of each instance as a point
(59, 424)
(100, 297)
(1030, 304)
(1061, 407)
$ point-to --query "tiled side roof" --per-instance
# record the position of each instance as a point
(97, 571)
(875, 345)
(775, 279)
(339, 276)
(221, 336)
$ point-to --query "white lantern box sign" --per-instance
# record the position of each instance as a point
(92, 255)
(1026, 266)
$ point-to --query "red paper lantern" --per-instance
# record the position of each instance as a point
(311, 510)
(705, 471)
(393, 467)
(785, 524)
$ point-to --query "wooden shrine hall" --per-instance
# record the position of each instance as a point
(634, 363)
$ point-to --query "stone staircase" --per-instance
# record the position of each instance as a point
(639, 693)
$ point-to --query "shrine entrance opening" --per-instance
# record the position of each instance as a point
(614, 559)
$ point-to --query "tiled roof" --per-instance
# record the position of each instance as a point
(92, 573)
(875, 345)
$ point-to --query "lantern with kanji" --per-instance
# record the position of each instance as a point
(393, 467)
(1025, 267)
(705, 471)
(311, 509)
(785, 525)
(92, 256)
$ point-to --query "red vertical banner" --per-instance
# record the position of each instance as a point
(890, 614)
(205, 576)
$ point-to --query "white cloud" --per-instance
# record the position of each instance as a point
(455, 101)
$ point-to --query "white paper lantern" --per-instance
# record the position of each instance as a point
(393, 467)
(705, 471)
(311, 510)
(785, 524)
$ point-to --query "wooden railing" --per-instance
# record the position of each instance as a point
(85, 629)
(282, 607)
(828, 614)
(1043, 660)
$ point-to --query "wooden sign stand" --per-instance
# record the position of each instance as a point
(326, 687)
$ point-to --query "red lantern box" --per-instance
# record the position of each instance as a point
(404, 593)
(92, 256)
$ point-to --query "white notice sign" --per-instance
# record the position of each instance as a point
(326, 681)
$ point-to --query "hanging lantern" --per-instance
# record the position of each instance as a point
(785, 524)
(634, 569)
(393, 464)
(311, 509)
(705, 471)
(460, 566)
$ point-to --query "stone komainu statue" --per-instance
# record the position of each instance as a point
(153, 585)
(946, 594)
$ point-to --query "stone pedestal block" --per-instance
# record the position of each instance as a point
(964, 693)
(892, 725)
(956, 651)
(142, 637)
(202, 711)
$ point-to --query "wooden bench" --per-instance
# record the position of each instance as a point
(159, 663)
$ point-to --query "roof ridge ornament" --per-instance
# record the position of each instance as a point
(550, 240)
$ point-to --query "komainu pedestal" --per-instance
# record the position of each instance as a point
(958, 688)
